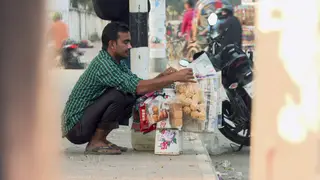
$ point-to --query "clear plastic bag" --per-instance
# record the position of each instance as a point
(175, 114)
(192, 99)
(147, 111)
(214, 143)
(193, 106)
(201, 101)
(173, 110)
(201, 104)
(156, 112)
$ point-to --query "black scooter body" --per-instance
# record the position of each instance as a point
(236, 71)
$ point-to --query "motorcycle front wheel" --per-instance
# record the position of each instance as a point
(228, 130)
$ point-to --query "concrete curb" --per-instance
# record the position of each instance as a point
(203, 157)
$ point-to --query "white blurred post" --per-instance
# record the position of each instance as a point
(139, 54)
(157, 37)
(140, 62)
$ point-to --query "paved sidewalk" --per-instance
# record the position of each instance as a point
(194, 164)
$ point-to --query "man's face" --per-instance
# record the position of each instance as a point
(123, 45)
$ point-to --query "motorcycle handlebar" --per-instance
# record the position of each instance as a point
(219, 36)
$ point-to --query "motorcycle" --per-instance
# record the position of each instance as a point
(71, 56)
(237, 75)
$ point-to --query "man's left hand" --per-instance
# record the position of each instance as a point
(169, 71)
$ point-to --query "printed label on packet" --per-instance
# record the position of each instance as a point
(144, 124)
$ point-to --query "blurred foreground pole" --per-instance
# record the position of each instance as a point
(286, 141)
(30, 128)
(139, 54)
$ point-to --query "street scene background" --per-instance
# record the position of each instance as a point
(85, 25)
(225, 159)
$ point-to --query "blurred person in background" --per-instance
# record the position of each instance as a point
(179, 30)
(169, 29)
(227, 21)
(203, 10)
(58, 31)
(58, 34)
(186, 25)
(187, 19)
(230, 26)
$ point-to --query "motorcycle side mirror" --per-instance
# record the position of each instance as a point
(184, 63)
(212, 19)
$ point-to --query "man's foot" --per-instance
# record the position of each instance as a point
(122, 149)
(102, 149)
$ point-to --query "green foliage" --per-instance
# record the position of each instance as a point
(175, 5)
(85, 3)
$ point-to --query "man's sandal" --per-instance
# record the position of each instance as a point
(122, 149)
(104, 150)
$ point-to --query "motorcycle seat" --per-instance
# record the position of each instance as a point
(231, 53)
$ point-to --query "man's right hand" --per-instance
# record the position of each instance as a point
(184, 75)
(146, 86)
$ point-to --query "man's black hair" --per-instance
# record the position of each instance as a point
(111, 32)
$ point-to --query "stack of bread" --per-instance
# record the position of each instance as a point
(192, 100)
(175, 113)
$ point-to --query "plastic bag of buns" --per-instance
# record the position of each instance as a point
(173, 111)
(200, 104)
(192, 99)
(200, 100)
(155, 110)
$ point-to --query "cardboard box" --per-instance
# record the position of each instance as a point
(168, 142)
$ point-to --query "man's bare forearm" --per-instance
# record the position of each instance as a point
(146, 86)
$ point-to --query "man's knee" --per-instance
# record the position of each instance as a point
(119, 104)
(77, 136)
(120, 98)
(122, 111)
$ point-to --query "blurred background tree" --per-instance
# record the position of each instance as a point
(82, 4)
(176, 5)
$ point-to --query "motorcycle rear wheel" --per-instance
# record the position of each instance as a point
(74, 64)
(227, 131)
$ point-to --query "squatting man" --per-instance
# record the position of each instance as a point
(103, 97)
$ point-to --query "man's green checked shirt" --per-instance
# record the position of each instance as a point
(102, 73)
